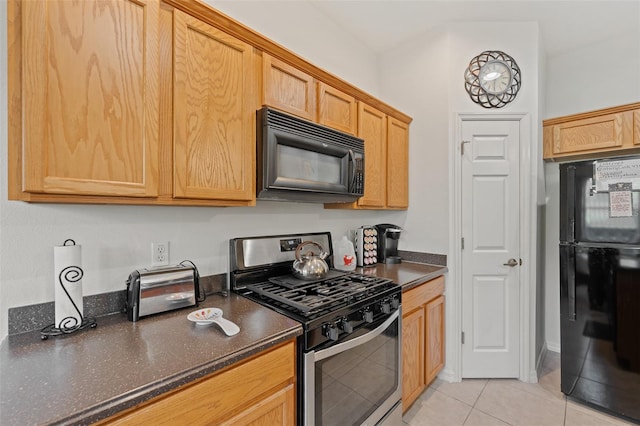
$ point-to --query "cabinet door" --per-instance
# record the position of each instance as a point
(288, 89)
(275, 410)
(337, 109)
(90, 117)
(603, 133)
(636, 127)
(413, 333)
(434, 344)
(397, 164)
(372, 127)
(214, 116)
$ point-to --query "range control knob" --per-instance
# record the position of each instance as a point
(395, 302)
(367, 315)
(330, 331)
(385, 306)
(345, 325)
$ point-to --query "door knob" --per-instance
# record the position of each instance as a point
(511, 262)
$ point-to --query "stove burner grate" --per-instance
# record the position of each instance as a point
(313, 297)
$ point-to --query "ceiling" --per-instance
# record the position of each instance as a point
(564, 25)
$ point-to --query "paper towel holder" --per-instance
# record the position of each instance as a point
(69, 324)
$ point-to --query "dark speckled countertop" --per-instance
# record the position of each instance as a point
(91, 375)
(407, 274)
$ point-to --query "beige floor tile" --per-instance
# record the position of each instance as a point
(478, 418)
(579, 415)
(436, 408)
(506, 400)
(466, 391)
(545, 388)
(549, 380)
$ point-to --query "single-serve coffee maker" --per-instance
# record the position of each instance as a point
(388, 236)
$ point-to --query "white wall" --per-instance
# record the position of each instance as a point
(591, 77)
(116, 239)
(415, 78)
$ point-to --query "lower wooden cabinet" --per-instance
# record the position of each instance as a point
(422, 338)
(260, 391)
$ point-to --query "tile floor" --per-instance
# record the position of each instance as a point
(500, 402)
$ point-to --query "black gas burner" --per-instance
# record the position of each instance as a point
(311, 298)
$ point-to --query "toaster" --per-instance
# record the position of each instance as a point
(151, 291)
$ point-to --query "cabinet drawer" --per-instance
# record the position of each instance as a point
(418, 296)
(214, 399)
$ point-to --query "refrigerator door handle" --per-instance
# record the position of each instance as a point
(571, 286)
(571, 212)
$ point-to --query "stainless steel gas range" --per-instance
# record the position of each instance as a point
(349, 353)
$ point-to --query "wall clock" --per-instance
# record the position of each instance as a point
(492, 79)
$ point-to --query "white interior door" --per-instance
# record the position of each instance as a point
(490, 228)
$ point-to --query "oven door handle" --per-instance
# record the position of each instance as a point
(333, 350)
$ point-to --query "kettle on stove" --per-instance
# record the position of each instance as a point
(309, 265)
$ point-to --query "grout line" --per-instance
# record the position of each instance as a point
(480, 394)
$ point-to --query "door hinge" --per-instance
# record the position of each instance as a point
(520, 262)
(462, 243)
(462, 146)
(462, 338)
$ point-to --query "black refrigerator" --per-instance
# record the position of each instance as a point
(600, 284)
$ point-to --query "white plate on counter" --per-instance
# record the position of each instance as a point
(208, 316)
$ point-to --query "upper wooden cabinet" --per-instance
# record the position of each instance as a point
(397, 164)
(154, 102)
(89, 97)
(608, 131)
(337, 109)
(386, 161)
(372, 127)
(214, 112)
(287, 88)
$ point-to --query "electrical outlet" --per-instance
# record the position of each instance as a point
(160, 254)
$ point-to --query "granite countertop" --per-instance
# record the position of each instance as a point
(95, 373)
(406, 274)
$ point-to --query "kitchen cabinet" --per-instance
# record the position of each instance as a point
(422, 338)
(141, 106)
(260, 391)
(147, 102)
(214, 112)
(397, 164)
(336, 109)
(83, 93)
(287, 88)
(607, 131)
(291, 90)
(386, 147)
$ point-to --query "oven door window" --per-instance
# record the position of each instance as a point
(351, 385)
(296, 162)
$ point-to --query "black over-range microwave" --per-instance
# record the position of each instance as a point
(298, 160)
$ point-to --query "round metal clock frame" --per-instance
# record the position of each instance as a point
(474, 86)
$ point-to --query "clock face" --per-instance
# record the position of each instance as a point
(495, 77)
(492, 79)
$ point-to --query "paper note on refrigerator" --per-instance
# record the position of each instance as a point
(616, 171)
(620, 204)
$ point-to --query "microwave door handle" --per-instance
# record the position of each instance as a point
(354, 169)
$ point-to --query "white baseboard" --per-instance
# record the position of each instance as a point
(448, 376)
(553, 346)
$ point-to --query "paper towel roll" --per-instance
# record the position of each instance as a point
(67, 268)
